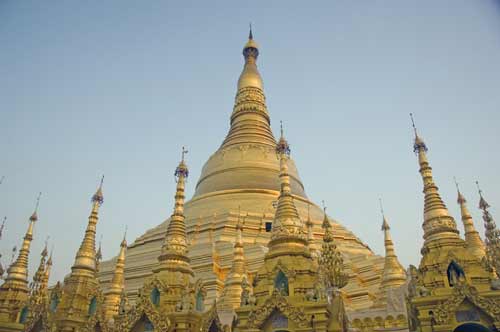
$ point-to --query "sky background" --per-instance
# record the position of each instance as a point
(117, 87)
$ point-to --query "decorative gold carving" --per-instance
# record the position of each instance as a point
(277, 302)
(461, 292)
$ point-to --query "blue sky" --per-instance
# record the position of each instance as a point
(117, 87)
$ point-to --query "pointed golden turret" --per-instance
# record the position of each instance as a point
(14, 291)
(438, 225)
(492, 234)
(81, 294)
(231, 296)
(472, 238)
(48, 268)
(85, 261)
(113, 296)
(17, 273)
(287, 231)
(39, 276)
(173, 255)
(394, 273)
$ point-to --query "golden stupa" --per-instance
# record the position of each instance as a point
(240, 183)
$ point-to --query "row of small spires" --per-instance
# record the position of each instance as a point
(98, 196)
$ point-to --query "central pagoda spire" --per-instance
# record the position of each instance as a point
(250, 120)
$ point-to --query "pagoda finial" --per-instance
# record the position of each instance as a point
(98, 197)
(3, 225)
(250, 34)
(124, 241)
(34, 216)
(385, 224)
(419, 145)
(413, 124)
(483, 205)
(184, 152)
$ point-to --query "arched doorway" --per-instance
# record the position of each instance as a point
(471, 327)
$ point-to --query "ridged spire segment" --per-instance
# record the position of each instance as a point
(287, 223)
(492, 234)
(175, 245)
(250, 121)
(17, 273)
(472, 238)
(113, 296)
(86, 257)
(438, 224)
(394, 274)
(331, 263)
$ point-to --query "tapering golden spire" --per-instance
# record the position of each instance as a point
(174, 251)
(438, 224)
(231, 297)
(394, 274)
(17, 273)
(250, 120)
(492, 234)
(85, 261)
(331, 264)
(472, 238)
(39, 276)
(113, 296)
(287, 226)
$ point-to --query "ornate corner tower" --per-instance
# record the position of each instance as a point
(171, 296)
(394, 274)
(112, 297)
(287, 290)
(451, 287)
(14, 292)
(81, 304)
(472, 238)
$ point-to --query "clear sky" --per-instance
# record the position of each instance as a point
(117, 87)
